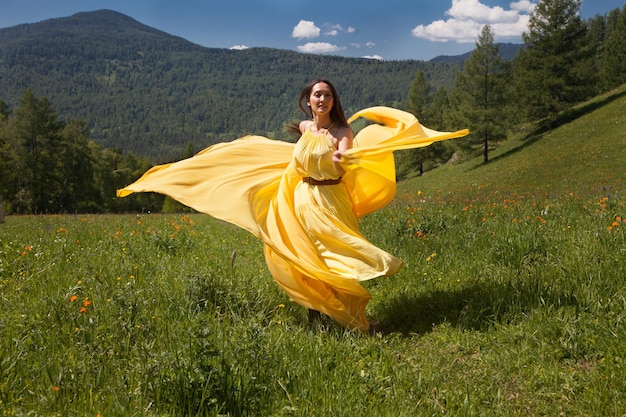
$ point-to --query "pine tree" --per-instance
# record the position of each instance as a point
(551, 71)
(480, 91)
(418, 100)
(37, 130)
(6, 173)
(421, 101)
(613, 72)
(75, 164)
(437, 108)
(4, 111)
(596, 37)
(419, 95)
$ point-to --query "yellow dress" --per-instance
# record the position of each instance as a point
(313, 247)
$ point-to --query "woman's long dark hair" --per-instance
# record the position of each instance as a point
(337, 116)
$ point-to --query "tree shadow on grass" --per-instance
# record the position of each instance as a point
(477, 307)
(574, 113)
(563, 118)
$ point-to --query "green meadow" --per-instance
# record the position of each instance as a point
(512, 301)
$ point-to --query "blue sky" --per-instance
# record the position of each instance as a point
(383, 29)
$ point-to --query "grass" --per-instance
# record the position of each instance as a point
(512, 302)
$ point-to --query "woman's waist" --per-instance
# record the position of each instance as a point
(321, 181)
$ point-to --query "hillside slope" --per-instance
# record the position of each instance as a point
(142, 90)
(584, 156)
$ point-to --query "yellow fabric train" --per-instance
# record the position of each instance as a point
(250, 182)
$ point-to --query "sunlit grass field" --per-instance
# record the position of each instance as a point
(512, 301)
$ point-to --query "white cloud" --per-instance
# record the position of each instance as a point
(447, 30)
(474, 10)
(376, 57)
(336, 29)
(319, 48)
(305, 30)
(238, 47)
(467, 17)
(308, 30)
(523, 6)
(513, 30)
(369, 45)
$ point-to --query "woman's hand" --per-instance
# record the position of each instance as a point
(337, 158)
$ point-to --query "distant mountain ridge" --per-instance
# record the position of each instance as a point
(508, 51)
(143, 90)
(80, 25)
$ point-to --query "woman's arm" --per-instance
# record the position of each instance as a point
(343, 142)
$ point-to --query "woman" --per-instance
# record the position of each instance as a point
(304, 200)
(324, 211)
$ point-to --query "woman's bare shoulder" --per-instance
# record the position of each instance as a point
(304, 125)
(343, 132)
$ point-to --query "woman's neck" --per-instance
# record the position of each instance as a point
(321, 123)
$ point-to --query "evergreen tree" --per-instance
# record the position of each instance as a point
(613, 72)
(480, 91)
(48, 166)
(420, 104)
(418, 100)
(419, 95)
(4, 111)
(611, 22)
(6, 151)
(596, 36)
(115, 171)
(190, 150)
(109, 175)
(37, 130)
(552, 71)
(77, 190)
(437, 108)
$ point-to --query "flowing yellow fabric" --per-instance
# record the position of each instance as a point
(313, 247)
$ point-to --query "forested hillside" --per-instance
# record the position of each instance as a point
(88, 103)
(144, 91)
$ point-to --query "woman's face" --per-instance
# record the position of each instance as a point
(321, 99)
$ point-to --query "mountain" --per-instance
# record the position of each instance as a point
(508, 51)
(143, 90)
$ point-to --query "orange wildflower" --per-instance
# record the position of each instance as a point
(73, 298)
